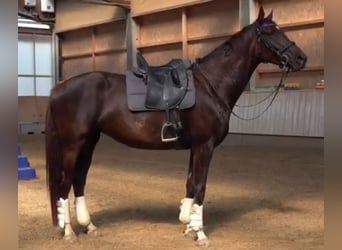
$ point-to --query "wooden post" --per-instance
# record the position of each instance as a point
(252, 8)
(247, 15)
(132, 32)
(56, 55)
(93, 47)
(184, 34)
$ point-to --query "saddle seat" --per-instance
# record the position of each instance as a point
(166, 87)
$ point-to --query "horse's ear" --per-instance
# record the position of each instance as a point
(270, 16)
(261, 14)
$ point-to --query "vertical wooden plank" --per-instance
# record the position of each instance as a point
(93, 44)
(135, 41)
(60, 59)
(253, 9)
(132, 32)
(184, 34)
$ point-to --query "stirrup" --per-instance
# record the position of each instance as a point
(165, 126)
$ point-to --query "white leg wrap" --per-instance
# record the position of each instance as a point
(201, 236)
(185, 209)
(196, 217)
(196, 226)
(63, 214)
(68, 230)
(82, 213)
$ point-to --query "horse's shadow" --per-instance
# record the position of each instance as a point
(215, 213)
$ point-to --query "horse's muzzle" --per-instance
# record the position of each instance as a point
(298, 62)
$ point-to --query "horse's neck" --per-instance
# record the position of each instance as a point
(230, 66)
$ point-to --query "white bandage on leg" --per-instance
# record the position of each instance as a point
(82, 213)
(196, 217)
(63, 214)
(201, 235)
(185, 209)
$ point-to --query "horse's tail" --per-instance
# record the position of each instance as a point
(53, 162)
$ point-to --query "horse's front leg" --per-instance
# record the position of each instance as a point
(188, 200)
(196, 185)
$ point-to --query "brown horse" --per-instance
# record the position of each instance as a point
(89, 104)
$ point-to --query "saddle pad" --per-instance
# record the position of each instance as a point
(136, 93)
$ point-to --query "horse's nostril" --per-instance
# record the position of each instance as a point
(301, 59)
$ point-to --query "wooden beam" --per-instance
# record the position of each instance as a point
(278, 71)
(118, 3)
(146, 7)
(159, 43)
(78, 55)
(211, 36)
(93, 45)
(32, 75)
(303, 25)
(22, 30)
(184, 34)
(131, 41)
(93, 53)
(84, 26)
(109, 51)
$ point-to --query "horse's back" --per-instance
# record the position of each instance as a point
(82, 83)
(76, 104)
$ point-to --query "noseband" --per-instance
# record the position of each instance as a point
(268, 40)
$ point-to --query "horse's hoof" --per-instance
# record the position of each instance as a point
(203, 243)
(91, 230)
(71, 238)
(191, 234)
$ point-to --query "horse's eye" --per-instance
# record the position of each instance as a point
(270, 28)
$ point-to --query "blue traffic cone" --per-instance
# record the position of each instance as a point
(25, 171)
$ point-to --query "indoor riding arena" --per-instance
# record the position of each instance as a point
(201, 123)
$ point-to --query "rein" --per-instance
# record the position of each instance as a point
(227, 107)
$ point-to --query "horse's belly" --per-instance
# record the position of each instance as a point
(140, 130)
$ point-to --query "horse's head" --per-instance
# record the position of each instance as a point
(273, 46)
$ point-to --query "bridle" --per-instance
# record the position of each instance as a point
(264, 37)
(267, 39)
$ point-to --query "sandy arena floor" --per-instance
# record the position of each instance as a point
(257, 197)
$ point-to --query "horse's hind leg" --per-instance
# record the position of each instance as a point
(70, 154)
(79, 182)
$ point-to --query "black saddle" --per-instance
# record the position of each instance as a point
(166, 84)
(166, 87)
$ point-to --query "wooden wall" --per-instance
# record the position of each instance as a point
(303, 22)
(90, 37)
(93, 37)
(101, 47)
(187, 32)
(209, 25)
(71, 15)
